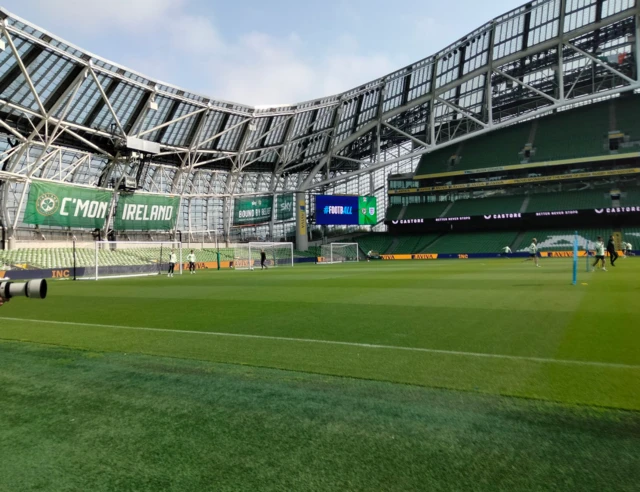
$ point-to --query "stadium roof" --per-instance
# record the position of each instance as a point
(540, 57)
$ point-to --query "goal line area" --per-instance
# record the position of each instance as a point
(339, 253)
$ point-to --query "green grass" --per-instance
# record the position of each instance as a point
(137, 384)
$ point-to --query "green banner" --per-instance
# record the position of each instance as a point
(67, 206)
(368, 210)
(258, 209)
(141, 212)
(252, 210)
(285, 207)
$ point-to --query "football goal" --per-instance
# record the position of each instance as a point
(118, 259)
(248, 256)
(339, 253)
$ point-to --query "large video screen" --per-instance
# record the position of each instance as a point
(346, 210)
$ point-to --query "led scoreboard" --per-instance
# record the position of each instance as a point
(346, 210)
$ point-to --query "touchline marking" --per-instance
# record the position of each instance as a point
(333, 342)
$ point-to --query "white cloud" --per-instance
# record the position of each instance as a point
(187, 50)
(92, 16)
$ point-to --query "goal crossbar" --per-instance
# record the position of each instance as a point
(249, 255)
(339, 253)
(121, 259)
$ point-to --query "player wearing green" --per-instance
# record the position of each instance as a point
(191, 258)
(600, 254)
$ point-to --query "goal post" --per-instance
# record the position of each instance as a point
(339, 253)
(121, 259)
(248, 256)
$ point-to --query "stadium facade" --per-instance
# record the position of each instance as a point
(67, 116)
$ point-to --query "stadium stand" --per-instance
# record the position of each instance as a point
(627, 109)
(486, 206)
(560, 240)
(630, 197)
(477, 242)
(574, 200)
(375, 242)
(412, 244)
(393, 212)
(425, 210)
(580, 132)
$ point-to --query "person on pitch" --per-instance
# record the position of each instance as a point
(191, 257)
(3, 300)
(533, 252)
(173, 259)
(600, 254)
(263, 260)
(507, 251)
(611, 249)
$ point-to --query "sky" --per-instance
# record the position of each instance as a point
(261, 52)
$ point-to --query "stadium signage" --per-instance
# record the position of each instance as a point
(144, 212)
(556, 213)
(408, 221)
(259, 209)
(502, 216)
(346, 210)
(452, 219)
(617, 210)
(54, 204)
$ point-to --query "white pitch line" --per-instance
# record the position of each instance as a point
(333, 342)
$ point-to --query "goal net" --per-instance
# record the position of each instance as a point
(119, 259)
(339, 253)
(249, 256)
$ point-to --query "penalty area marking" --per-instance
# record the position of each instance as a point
(334, 342)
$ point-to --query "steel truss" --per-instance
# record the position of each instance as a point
(65, 114)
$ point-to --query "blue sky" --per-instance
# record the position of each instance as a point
(261, 52)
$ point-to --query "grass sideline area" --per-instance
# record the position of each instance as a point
(153, 370)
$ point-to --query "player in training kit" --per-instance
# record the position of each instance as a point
(507, 251)
(191, 257)
(600, 254)
(173, 259)
(533, 252)
(263, 260)
(611, 249)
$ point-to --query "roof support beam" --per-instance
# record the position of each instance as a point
(106, 100)
(169, 120)
(27, 59)
(100, 104)
(23, 69)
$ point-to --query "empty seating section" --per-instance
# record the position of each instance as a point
(476, 242)
(406, 245)
(561, 240)
(630, 197)
(436, 161)
(574, 133)
(501, 148)
(627, 121)
(393, 212)
(486, 206)
(632, 235)
(425, 210)
(573, 200)
(379, 243)
(579, 132)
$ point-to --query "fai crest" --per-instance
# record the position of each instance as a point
(47, 204)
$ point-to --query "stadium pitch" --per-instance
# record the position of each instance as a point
(288, 379)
